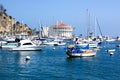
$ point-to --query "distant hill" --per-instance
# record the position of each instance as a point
(8, 25)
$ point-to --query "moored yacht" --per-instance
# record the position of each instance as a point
(75, 51)
(54, 42)
(9, 45)
(26, 45)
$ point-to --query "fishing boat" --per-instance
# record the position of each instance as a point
(26, 45)
(75, 51)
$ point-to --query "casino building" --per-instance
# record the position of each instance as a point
(60, 30)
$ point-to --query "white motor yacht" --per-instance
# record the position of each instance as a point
(26, 45)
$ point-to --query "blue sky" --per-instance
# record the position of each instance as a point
(72, 12)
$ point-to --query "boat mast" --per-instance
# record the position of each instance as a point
(99, 27)
(40, 29)
(11, 27)
(88, 23)
(95, 26)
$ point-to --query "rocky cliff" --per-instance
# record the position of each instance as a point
(8, 25)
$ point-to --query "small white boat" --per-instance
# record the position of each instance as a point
(55, 42)
(2, 41)
(60, 43)
(109, 39)
(49, 43)
(9, 45)
(26, 45)
(110, 50)
(91, 45)
(78, 52)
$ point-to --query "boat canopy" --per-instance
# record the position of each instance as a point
(86, 47)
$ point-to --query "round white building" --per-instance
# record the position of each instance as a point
(60, 30)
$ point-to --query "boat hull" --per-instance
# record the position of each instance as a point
(84, 54)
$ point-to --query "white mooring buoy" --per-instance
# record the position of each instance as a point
(111, 53)
(53, 48)
(27, 58)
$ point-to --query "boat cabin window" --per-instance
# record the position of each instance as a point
(27, 44)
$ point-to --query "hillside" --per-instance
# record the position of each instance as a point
(9, 26)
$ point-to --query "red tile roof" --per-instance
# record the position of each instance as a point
(61, 25)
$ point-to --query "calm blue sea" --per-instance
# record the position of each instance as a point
(50, 64)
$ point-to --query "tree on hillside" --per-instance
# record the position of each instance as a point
(17, 23)
(2, 9)
(10, 17)
(26, 25)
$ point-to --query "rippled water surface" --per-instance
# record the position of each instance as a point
(50, 64)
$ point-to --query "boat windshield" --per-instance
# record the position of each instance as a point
(27, 44)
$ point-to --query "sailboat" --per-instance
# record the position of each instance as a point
(90, 38)
(41, 32)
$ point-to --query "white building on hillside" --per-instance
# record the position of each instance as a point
(60, 30)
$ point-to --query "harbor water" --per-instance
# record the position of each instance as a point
(52, 63)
